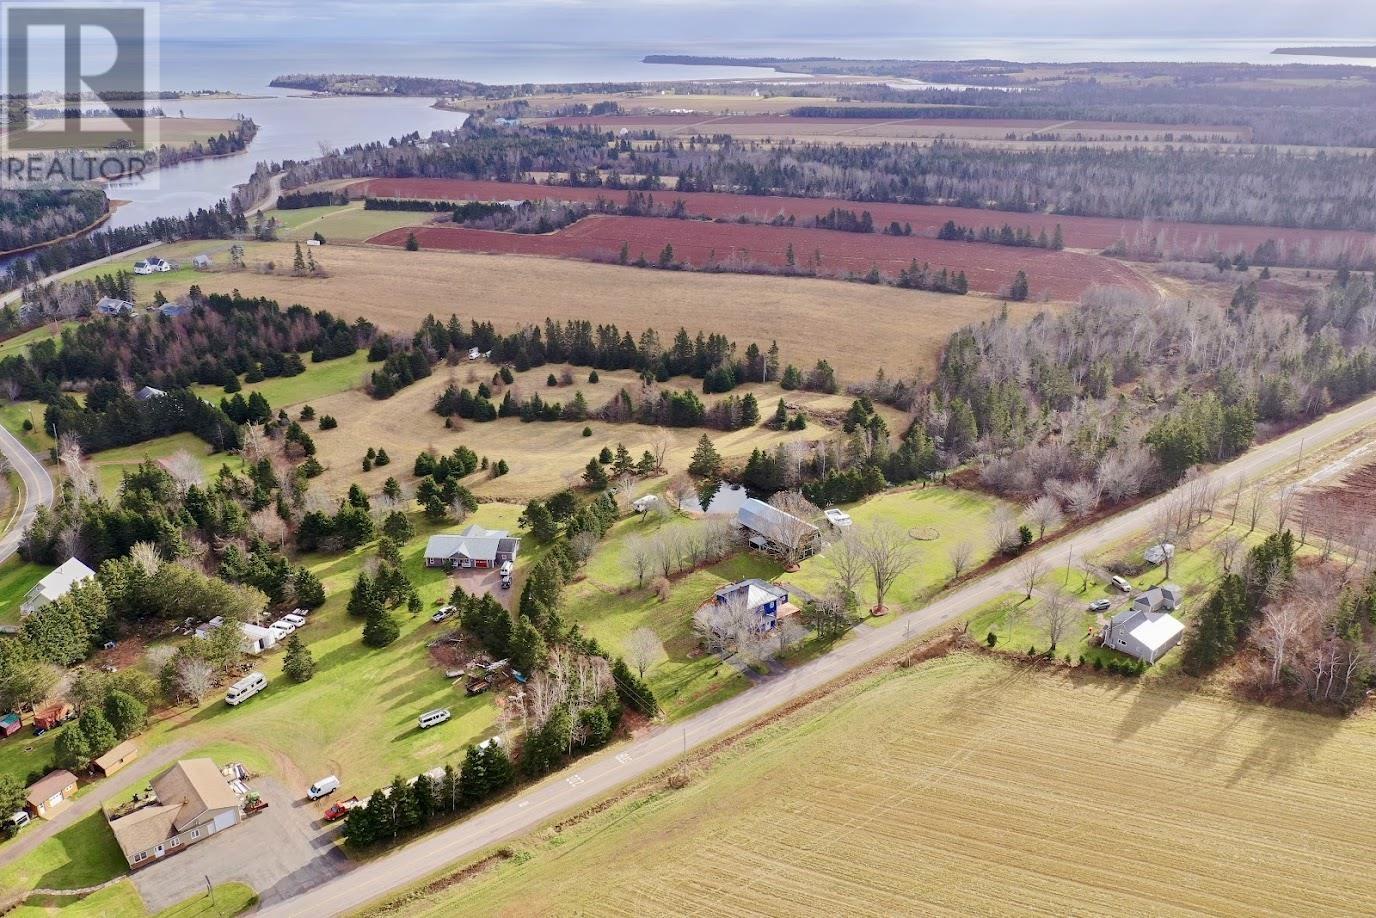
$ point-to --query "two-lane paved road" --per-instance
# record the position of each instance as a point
(38, 489)
(593, 777)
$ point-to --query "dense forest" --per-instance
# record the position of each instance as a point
(32, 217)
(1257, 186)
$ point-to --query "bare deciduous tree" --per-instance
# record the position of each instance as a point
(660, 441)
(195, 678)
(638, 558)
(1044, 513)
(847, 559)
(643, 648)
(961, 554)
(792, 530)
(1056, 614)
(1030, 573)
(146, 556)
(1227, 546)
(889, 552)
(185, 470)
(270, 527)
(1283, 506)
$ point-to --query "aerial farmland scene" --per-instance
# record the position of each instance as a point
(627, 458)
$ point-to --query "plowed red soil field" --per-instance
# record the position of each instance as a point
(1345, 511)
(1185, 240)
(700, 243)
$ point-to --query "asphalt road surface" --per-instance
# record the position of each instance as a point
(38, 489)
(595, 776)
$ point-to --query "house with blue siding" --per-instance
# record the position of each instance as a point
(768, 601)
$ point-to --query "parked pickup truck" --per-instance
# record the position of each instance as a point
(341, 809)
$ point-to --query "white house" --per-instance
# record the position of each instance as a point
(152, 265)
(255, 640)
(55, 585)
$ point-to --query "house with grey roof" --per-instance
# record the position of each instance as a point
(56, 584)
(768, 601)
(148, 392)
(470, 548)
(111, 306)
(1165, 598)
(773, 531)
(1146, 630)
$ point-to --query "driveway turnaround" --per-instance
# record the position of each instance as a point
(280, 852)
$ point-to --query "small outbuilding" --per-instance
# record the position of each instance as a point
(112, 306)
(50, 793)
(53, 715)
(644, 504)
(201, 262)
(117, 758)
(148, 392)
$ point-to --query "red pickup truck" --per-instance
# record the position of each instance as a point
(341, 809)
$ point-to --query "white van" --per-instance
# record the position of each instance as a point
(294, 619)
(246, 688)
(431, 718)
(323, 788)
(282, 627)
(506, 575)
(18, 821)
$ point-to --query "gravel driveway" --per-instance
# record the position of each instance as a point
(280, 852)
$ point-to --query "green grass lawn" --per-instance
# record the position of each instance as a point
(111, 464)
(320, 379)
(17, 577)
(19, 344)
(350, 223)
(82, 855)
(956, 515)
(1015, 621)
(609, 606)
(122, 900)
(14, 414)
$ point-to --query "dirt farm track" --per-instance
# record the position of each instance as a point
(989, 268)
(1179, 239)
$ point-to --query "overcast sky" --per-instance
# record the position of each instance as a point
(663, 21)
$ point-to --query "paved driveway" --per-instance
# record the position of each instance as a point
(281, 852)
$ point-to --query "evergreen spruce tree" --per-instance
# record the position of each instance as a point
(298, 665)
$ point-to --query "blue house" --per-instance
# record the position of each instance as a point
(766, 600)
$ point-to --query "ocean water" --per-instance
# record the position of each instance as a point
(293, 126)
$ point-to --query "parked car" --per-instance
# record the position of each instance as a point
(295, 619)
(442, 614)
(323, 788)
(341, 809)
(1122, 584)
(433, 718)
(1099, 605)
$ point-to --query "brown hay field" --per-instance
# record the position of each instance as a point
(174, 132)
(878, 130)
(967, 785)
(544, 456)
(857, 327)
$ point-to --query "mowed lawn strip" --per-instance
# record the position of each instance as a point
(978, 786)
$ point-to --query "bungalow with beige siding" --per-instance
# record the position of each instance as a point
(190, 802)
